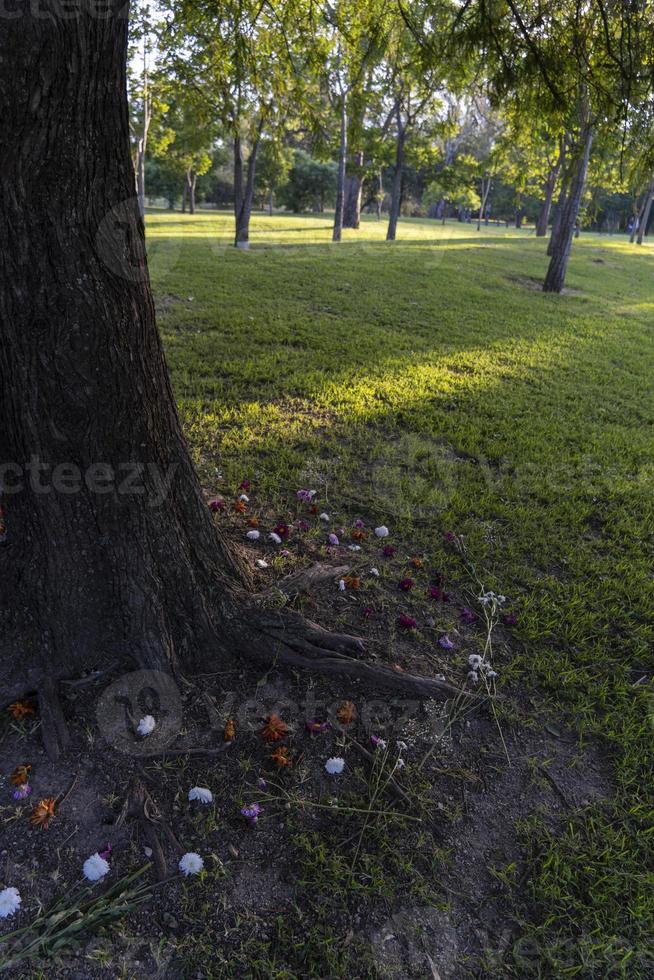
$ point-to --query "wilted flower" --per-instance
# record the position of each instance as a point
(251, 813)
(405, 584)
(191, 864)
(146, 725)
(245, 485)
(445, 642)
(352, 582)
(359, 535)
(402, 746)
(346, 713)
(341, 585)
(433, 592)
(367, 612)
(230, 730)
(20, 774)
(302, 525)
(306, 496)
(417, 562)
(382, 531)
(201, 794)
(95, 867)
(253, 522)
(275, 729)
(9, 902)
(281, 757)
(510, 619)
(261, 783)
(21, 709)
(239, 506)
(407, 622)
(43, 813)
(473, 676)
(253, 535)
(335, 766)
(106, 852)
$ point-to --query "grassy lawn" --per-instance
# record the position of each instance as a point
(428, 384)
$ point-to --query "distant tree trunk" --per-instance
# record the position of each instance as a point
(244, 189)
(340, 183)
(644, 221)
(271, 201)
(380, 195)
(558, 211)
(353, 194)
(184, 195)
(555, 277)
(548, 190)
(638, 215)
(191, 179)
(485, 189)
(398, 176)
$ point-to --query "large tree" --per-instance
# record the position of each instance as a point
(109, 548)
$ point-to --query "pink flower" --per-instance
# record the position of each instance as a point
(216, 505)
(388, 551)
(445, 642)
(405, 584)
(245, 485)
(406, 622)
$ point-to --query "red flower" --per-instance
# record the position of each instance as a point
(406, 622)
(216, 505)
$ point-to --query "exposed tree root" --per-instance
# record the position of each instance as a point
(140, 806)
(54, 730)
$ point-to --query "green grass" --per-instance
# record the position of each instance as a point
(425, 385)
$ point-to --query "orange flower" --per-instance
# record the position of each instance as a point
(20, 775)
(352, 582)
(21, 709)
(417, 562)
(43, 813)
(239, 506)
(346, 713)
(230, 731)
(313, 509)
(275, 729)
(281, 757)
(359, 535)
(253, 522)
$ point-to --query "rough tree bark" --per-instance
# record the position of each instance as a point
(548, 191)
(109, 547)
(353, 193)
(555, 276)
(398, 176)
(244, 177)
(191, 180)
(340, 180)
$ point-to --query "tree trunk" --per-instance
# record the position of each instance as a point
(271, 202)
(184, 195)
(191, 179)
(380, 195)
(556, 221)
(548, 190)
(108, 547)
(396, 192)
(485, 189)
(555, 277)
(644, 221)
(353, 194)
(340, 184)
(244, 189)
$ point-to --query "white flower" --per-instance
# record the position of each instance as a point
(200, 793)
(253, 535)
(244, 498)
(147, 851)
(440, 677)
(491, 673)
(9, 901)
(400, 764)
(375, 572)
(402, 746)
(191, 864)
(381, 532)
(324, 517)
(473, 676)
(146, 725)
(335, 766)
(261, 563)
(341, 585)
(474, 661)
(275, 538)
(354, 547)
(95, 867)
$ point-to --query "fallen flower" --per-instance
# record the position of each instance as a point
(316, 727)
(253, 535)
(275, 538)
(281, 757)
(382, 531)
(146, 725)
(282, 530)
(244, 499)
(467, 616)
(106, 852)
(201, 794)
(417, 562)
(359, 535)
(22, 792)
(346, 713)
(253, 522)
(239, 506)
(95, 867)
(407, 622)
(43, 813)
(9, 902)
(261, 563)
(405, 584)
(335, 766)
(352, 582)
(21, 709)
(275, 729)
(230, 731)
(324, 517)
(333, 539)
(20, 774)
(445, 642)
(388, 551)
(378, 743)
(375, 572)
(191, 864)
(251, 813)
(216, 505)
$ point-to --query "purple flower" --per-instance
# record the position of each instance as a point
(216, 505)
(333, 539)
(433, 592)
(359, 523)
(510, 619)
(282, 530)
(467, 616)
(251, 813)
(405, 584)
(306, 496)
(388, 551)
(378, 742)
(245, 485)
(106, 852)
(316, 727)
(445, 642)
(406, 622)
(22, 792)
(261, 783)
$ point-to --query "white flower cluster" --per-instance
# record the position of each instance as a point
(478, 665)
(491, 599)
